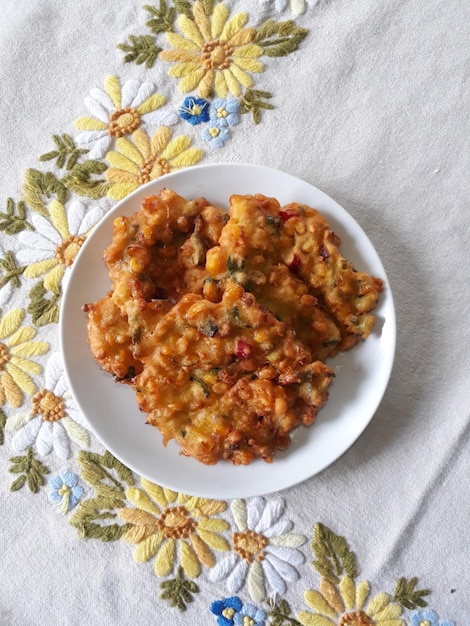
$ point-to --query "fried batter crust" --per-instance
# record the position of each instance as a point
(228, 380)
(290, 259)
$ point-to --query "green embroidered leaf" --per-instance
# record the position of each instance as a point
(11, 269)
(43, 310)
(39, 186)
(13, 221)
(81, 181)
(332, 555)
(142, 49)
(178, 591)
(253, 101)
(280, 615)
(3, 421)
(32, 472)
(184, 8)
(66, 154)
(279, 38)
(163, 17)
(409, 597)
(106, 475)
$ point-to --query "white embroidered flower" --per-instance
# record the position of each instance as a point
(51, 249)
(297, 6)
(264, 553)
(54, 420)
(118, 111)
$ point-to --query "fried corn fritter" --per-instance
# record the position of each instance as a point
(289, 258)
(222, 321)
(228, 380)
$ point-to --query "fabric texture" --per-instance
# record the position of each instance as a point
(366, 100)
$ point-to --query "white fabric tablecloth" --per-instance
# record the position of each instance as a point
(370, 103)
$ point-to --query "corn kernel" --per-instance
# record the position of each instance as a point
(260, 335)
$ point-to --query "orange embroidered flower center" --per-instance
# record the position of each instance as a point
(123, 122)
(4, 356)
(249, 545)
(67, 251)
(357, 618)
(176, 523)
(50, 406)
(215, 55)
(154, 167)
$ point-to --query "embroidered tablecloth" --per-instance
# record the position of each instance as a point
(369, 102)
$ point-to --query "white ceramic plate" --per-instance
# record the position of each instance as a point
(111, 410)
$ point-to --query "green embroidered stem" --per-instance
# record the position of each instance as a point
(43, 311)
(253, 101)
(12, 270)
(332, 555)
(409, 597)
(178, 591)
(100, 471)
(141, 49)
(3, 421)
(163, 17)
(184, 8)
(31, 472)
(279, 38)
(11, 223)
(67, 154)
(81, 181)
(39, 186)
(280, 615)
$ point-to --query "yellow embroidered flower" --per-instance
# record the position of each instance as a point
(215, 52)
(345, 605)
(144, 159)
(165, 521)
(118, 111)
(51, 249)
(16, 366)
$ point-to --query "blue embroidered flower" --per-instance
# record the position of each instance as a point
(428, 617)
(249, 616)
(216, 135)
(65, 491)
(194, 110)
(224, 111)
(226, 610)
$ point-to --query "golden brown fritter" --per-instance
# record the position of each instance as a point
(249, 252)
(289, 258)
(228, 380)
(222, 322)
(110, 339)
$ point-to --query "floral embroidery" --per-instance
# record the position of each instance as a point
(194, 110)
(51, 249)
(164, 520)
(118, 111)
(65, 491)
(224, 111)
(216, 135)
(232, 612)
(144, 159)
(264, 552)
(214, 52)
(16, 366)
(53, 421)
(226, 609)
(428, 617)
(345, 605)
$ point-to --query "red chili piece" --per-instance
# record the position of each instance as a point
(295, 264)
(243, 349)
(287, 214)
